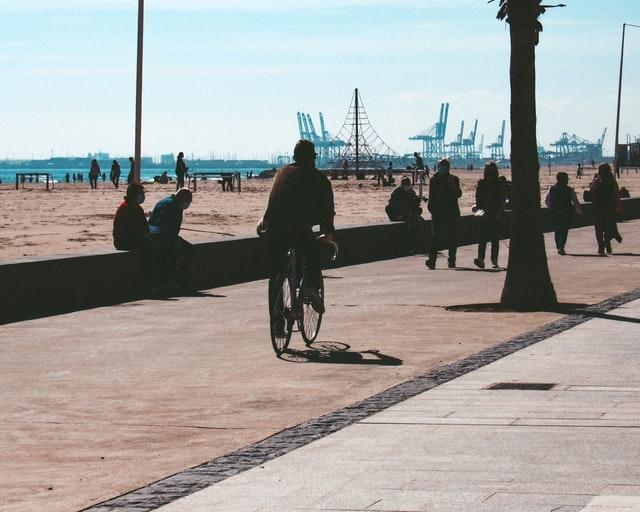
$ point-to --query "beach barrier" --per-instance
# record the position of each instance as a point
(38, 287)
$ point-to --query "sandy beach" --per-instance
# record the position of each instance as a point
(72, 219)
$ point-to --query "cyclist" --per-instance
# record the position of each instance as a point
(403, 201)
(301, 197)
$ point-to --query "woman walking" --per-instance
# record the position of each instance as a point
(94, 173)
(181, 170)
(490, 200)
(562, 202)
(606, 205)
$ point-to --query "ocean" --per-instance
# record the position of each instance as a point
(9, 175)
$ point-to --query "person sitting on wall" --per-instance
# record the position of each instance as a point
(131, 232)
(403, 201)
(175, 254)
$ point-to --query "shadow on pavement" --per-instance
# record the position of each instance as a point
(469, 269)
(178, 295)
(606, 316)
(335, 352)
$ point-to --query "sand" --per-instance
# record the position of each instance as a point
(72, 219)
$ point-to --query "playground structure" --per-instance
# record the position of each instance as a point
(327, 146)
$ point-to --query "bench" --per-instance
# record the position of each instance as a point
(228, 180)
(21, 177)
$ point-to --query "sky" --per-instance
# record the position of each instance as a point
(225, 78)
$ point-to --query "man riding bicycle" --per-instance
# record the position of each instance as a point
(301, 197)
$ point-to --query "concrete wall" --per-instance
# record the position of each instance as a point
(38, 287)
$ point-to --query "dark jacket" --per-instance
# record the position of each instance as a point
(444, 191)
(561, 201)
(401, 202)
(166, 218)
(490, 197)
(301, 197)
(129, 227)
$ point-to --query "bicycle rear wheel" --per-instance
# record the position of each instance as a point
(310, 320)
(282, 317)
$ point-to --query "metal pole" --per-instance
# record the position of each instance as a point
(137, 161)
(615, 147)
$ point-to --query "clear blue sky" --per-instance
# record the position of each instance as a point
(228, 76)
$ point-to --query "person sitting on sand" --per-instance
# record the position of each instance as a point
(175, 254)
(403, 201)
(131, 231)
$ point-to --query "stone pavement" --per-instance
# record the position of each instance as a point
(100, 402)
(462, 446)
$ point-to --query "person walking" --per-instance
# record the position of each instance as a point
(114, 175)
(606, 205)
(444, 191)
(94, 173)
(562, 202)
(132, 171)
(181, 170)
(491, 195)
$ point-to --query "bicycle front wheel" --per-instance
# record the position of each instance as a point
(310, 320)
(282, 316)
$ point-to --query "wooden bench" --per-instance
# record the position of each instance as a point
(21, 177)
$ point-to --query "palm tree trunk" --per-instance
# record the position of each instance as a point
(528, 285)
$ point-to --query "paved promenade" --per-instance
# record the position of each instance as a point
(98, 403)
(465, 447)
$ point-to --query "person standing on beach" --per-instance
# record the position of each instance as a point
(94, 173)
(181, 170)
(444, 191)
(175, 254)
(606, 205)
(132, 171)
(490, 201)
(562, 202)
(114, 176)
(131, 232)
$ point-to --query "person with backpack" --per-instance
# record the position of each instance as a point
(562, 202)
(444, 191)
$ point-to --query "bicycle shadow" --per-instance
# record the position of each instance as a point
(335, 352)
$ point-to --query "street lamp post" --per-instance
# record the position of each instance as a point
(617, 140)
(138, 132)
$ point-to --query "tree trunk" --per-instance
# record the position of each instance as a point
(528, 285)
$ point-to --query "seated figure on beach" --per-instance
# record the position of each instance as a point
(403, 201)
(175, 254)
(131, 231)
(301, 197)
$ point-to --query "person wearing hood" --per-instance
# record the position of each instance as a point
(131, 232)
(444, 191)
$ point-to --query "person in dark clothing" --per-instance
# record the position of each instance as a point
(490, 202)
(562, 202)
(606, 205)
(181, 170)
(115, 174)
(301, 197)
(403, 201)
(132, 171)
(131, 231)
(444, 191)
(175, 254)
(94, 173)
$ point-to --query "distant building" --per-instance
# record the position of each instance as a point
(168, 159)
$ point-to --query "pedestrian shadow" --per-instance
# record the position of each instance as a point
(566, 308)
(181, 295)
(585, 255)
(604, 316)
(470, 269)
(624, 254)
(334, 352)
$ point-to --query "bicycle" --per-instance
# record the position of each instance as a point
(290, 306)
